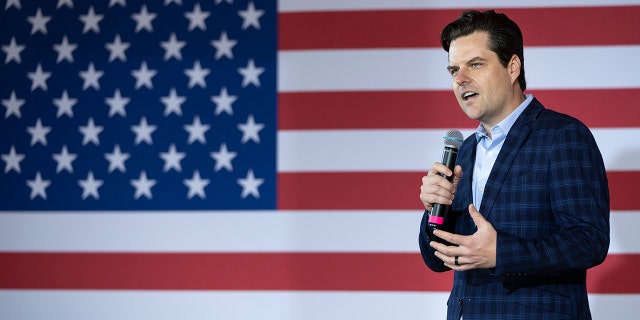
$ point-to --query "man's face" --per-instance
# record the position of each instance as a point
(483, 87)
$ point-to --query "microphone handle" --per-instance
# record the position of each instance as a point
(439, 211)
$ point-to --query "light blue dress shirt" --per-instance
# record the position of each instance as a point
(488, 149)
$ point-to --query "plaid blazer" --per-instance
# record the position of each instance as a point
(547, 196)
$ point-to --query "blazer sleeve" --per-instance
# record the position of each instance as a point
(579, 201)
(426, 235)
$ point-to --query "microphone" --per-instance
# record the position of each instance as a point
(452, 141)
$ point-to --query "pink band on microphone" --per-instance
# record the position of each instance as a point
(436, 220)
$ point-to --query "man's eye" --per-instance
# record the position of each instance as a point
(453, 72)
(476, 65)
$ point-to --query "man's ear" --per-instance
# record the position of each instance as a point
(514, 67)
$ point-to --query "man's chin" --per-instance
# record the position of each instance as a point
(470, 112)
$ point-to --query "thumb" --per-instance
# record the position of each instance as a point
(477, 217)
(457, 175)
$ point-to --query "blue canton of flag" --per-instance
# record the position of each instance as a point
(159, 105)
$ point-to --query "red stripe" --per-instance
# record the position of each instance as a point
(617, 274)
(421, 28)
(395, 190)
(349, 190)
(623, 190)
(439, 109)
(258, 271)
(218, 271)
(359, 110)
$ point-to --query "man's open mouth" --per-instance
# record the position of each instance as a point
(468, 94)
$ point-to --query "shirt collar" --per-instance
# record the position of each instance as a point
(506, 124)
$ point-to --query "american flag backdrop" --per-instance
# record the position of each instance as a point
(254, 159)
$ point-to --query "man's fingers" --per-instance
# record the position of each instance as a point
(444, 251)
(436, 183)
(431, 198)
(436, 189)
(449, 237)
(439, 168)
(448, 255)
(447, 259)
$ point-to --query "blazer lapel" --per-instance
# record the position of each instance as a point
(466, 158)
(516, 137)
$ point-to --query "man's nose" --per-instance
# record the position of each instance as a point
(461, 77)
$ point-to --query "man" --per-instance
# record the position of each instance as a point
(530, 214)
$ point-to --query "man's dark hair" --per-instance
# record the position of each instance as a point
(505, 37)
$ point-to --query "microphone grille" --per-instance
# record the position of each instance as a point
(453, 139)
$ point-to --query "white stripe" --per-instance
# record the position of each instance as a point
(258, 231)
(209, 231)
(379, 69)
(359, 150)
(412, 150)
(614, 306)
(331, 5)
(425, 69)
(207, 305)
(250, 305)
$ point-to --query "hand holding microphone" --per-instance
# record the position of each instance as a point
(433, 191)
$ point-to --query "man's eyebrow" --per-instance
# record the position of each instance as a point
(470, 61)
(476, 59)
